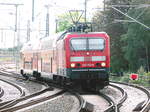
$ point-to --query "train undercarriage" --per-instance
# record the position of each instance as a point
(85, 83)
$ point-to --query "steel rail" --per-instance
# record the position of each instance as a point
(2, 72)
(81, 100)
(14, 102)
(1, 92)
(146, 104)
(88, 107)
(115, 106)
(124, 95)
(10, 103)
(112, 106)
(22, 92)
(16, 75)
(33, 102)
(73, 92)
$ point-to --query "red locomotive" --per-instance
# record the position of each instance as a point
(69, 57)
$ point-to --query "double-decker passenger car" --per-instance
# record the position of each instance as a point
(69, 57)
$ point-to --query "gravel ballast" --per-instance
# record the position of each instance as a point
(64, 103)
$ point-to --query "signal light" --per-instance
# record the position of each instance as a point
(134, 76)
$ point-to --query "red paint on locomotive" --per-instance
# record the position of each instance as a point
(87, 55)
(75, 56)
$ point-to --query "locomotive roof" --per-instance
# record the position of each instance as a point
(85, 32)
(65, 33)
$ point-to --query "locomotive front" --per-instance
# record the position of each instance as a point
(88, 58)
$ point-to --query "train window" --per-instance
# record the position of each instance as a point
(87, 44)
(96, 44)
(78, 44)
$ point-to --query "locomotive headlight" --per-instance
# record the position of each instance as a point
(103, 64)
(72, 65)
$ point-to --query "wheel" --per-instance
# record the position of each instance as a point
(25, 76)
(21, 72)
(38, 76)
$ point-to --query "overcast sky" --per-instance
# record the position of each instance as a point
(57, 7)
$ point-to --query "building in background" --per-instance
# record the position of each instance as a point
(32, 18)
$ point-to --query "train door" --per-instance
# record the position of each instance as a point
(35, 61)
(60, 57)
(39, 63)
(51, 64)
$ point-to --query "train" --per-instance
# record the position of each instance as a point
(79, 57)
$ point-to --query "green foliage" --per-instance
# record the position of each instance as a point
(136, 40)
(125, 78)
(5, 59)
(148, 77)
(136, 81)
(106, 21)
(143, 80)
(130, 48)
(141, 71)
(148, 74)
(64, 22)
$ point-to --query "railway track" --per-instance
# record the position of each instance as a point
(14, 105)
(10, 74)
(115, 106)
(141, 106)
(1, 92)
(11, 103)
(122, 104)
(122, 99)
(21, 90)
(5, 99)
(112, 106)
(90, 107)
(32, 102)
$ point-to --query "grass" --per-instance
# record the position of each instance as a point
(143, 80)
(6, 59)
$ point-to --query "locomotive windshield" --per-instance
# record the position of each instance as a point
(87, 44)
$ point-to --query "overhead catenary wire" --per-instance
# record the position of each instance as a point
(147, 27)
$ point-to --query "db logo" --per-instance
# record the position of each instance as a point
(134, 76)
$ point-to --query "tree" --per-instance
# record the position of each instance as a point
(130, 46)
(105, 20)
(64, 22)
(137, 47)
(68, 19)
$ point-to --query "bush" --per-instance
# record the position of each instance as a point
(141, 71)
(136, 81)
(147, 75)
(144, 78)
(125, 78)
